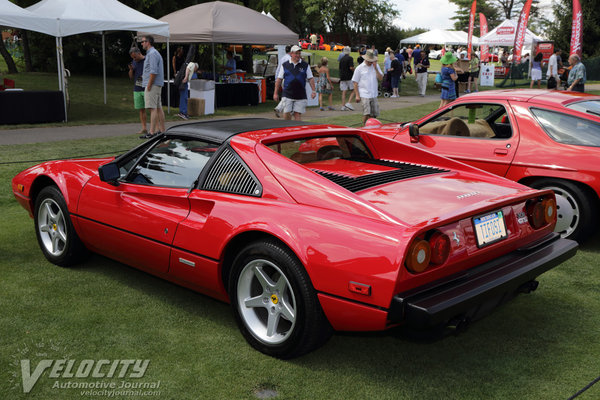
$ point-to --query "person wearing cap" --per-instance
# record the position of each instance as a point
(365, 80)
(294, 74)
(448, 78)
(421, 72)
(346, 67)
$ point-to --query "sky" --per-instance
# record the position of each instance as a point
(436, 14)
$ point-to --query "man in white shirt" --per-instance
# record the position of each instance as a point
(553, 69)
(366, 86)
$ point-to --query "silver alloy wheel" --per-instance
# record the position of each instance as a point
(52, 227)
(266, 302)
(567, 211)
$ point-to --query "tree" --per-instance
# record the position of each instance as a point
(490, 11)
(560, 30)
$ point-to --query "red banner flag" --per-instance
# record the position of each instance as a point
(577, 30)
(521, 31)
(483, 29)
(471, 27)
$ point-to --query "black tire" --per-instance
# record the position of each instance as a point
(54, 230)
(279, 316)
(575, 206)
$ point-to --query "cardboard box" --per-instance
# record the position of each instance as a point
(195, 107)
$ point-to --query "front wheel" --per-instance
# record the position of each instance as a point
(274, 303)
(576, 214)
(55, 233)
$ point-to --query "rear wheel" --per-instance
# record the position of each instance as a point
(55, 233)
(576, 214)
(274, 303)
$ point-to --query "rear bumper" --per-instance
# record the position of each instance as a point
(472, 293)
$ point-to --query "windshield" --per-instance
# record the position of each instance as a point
(305, 151)
(590, 107)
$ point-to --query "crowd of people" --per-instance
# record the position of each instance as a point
(361, 83)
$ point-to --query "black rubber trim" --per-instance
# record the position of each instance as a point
(446, 299)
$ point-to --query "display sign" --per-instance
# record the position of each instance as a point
(486, 75)
(546, 48)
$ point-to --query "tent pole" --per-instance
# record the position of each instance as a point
(104, 64)
(168, 79)
(61, 72)
(214, 74)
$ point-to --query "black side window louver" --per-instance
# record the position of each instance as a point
(401, 171)
(229, 174)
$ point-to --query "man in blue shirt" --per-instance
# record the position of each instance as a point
(136, 70)
(577, 76)
(153, 79)
(294, 74)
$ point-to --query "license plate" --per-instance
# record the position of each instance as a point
(489, 228)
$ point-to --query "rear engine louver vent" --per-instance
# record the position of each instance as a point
(229, 174)
(401, 171)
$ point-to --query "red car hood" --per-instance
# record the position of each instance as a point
(437, 197)
(429, 195)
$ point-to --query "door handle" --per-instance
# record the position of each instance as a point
(501, 152)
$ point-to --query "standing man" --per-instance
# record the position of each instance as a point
(577, 76)
(153, 80)
(313, 41)
(553, 70)
(346, 67)
(365, 80)
(287, 57)
(294, 74)
(136, 70)
(421, 71)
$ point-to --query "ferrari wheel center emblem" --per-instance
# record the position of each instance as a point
(53, 227)
(274, 299)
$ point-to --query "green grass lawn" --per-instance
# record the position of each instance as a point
(539, 346)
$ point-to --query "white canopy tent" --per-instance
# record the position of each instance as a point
(71, 17)
(222, 22)
(17, 17)
(504, 35)
(439, 36)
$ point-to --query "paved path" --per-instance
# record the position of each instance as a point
(52, 134)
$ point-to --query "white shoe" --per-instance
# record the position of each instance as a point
(349, 106)
(394, 96)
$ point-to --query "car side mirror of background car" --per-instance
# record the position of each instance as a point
(109, 173)
(413, 131)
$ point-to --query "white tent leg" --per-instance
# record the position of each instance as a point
(61, 72)
(214, 74)
(104, 65)
(168, 79)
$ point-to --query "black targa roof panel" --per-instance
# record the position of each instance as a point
(221, 130)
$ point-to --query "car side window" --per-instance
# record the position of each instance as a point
(568, 129)
(471, 120)
(172, 162)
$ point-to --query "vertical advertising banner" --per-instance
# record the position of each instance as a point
(576, 30)
(471, 27)
(483, 29)
(521, 30)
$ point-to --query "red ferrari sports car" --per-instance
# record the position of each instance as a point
(543, 139)
(362, 235)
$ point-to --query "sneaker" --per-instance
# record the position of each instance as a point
(321, 108)
(276, 111)
(148, 135)
(467, 91)
(331, 108)
(344, 108)
(394, 96)
(142, 132)
(183, 116)
(349, 106)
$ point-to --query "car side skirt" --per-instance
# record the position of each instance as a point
(475, 292)
(345, 315)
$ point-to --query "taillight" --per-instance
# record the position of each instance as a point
(422, 253)
(419, 255)
(440, 247)
(541, 212)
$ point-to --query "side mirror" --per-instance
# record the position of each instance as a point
(413, 131)
(109, 173)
